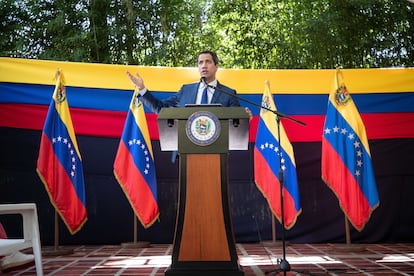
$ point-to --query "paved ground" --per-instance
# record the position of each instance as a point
(255, 259)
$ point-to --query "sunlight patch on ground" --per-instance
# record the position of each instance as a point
(271, 260)
(165, 261)
(397, 258)
(139, 262)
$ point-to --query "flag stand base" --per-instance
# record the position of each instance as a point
(59, 251)
(141, 244)
(349, 247)
(273, 243)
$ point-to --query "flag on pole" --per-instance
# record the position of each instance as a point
(59, 164)
(269, 157)
(346, 158)
(134, 165)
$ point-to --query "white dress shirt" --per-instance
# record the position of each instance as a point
(210, 91)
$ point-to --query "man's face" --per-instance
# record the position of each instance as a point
(206, 67)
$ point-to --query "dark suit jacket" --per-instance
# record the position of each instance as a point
(188, 95)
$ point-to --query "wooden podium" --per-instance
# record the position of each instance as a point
(204, 240)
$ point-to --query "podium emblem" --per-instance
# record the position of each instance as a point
(203, 128)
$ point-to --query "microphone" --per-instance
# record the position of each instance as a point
(203, 80)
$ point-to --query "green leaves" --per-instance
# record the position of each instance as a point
(246, 34)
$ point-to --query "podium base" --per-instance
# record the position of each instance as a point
(201, 272)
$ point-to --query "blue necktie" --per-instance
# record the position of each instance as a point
(204, 99)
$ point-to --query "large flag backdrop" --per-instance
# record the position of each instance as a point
(100, 94)
(346, 157)
(269, 157)
(59, 164)
(99, 97)
(134, 165)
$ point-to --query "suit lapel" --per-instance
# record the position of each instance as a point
(193, 93)
(216, 94)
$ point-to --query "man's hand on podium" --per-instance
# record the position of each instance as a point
(249, 112)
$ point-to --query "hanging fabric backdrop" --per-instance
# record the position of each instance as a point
(99, 97)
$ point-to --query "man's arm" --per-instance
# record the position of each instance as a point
(147, 98)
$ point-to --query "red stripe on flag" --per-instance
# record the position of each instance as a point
(29, 116)
(106, 123)
(270, 186)
(135, 186)
(343, 184)
(62, 193)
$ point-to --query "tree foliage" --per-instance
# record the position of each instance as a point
(246, 34)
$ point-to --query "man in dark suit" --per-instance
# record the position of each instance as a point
(208, 65)
(192, 93)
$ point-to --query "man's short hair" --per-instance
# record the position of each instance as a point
(213, 55)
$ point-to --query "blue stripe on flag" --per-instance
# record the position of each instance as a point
(135, 142)
(118, 99)
(348, 145)
(64, 150)
(268, 146)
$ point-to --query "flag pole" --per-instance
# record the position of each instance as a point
(136, 243)
(274, 239)
(347, 232)
(135, 230)
(56, 243)
(57, 250)
(49, 175)
(349, 247)
(274, 242)
(342, 111)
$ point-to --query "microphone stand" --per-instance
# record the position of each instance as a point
(284, 265)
